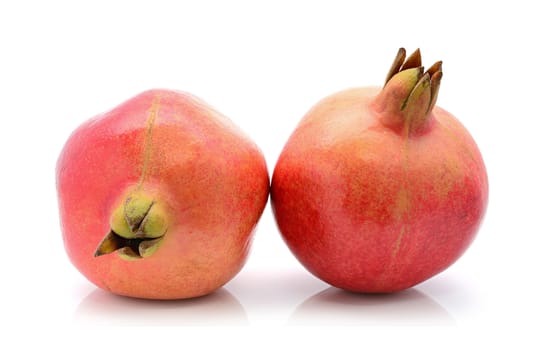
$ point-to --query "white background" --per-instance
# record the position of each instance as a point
(264, 64)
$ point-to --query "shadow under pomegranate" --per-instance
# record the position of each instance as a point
(337, 307)
(219, 308)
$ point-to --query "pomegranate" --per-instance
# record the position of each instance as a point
(160, 196)
(378, 189)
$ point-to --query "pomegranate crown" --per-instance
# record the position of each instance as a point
(424, 81)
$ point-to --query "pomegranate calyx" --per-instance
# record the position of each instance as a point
(415, 107)
(130, 249)
(137, 227)
(409, 93)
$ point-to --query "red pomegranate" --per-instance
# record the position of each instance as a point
(378, 189)
(160, 196)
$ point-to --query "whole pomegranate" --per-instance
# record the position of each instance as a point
(379, 189)
(159, 197)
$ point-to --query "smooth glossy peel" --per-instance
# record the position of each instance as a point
(159, 197)
(378, 189)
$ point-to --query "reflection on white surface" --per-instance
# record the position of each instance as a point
(336, 307)
(217, 309)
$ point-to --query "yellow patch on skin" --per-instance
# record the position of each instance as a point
(445, 179)
(147, 153)
(397, 245)
(451, 132)
(452, 170)
(402, 204)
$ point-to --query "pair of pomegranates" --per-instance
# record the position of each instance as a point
(376, 190)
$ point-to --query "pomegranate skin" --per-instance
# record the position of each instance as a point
(365, 206)
(210, 177)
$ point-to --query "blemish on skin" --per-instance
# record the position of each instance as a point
(147, 153)
(401, 212)
(402, 204)
(403, 231)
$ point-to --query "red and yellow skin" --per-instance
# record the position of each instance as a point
(378, 189)
(166, 169)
